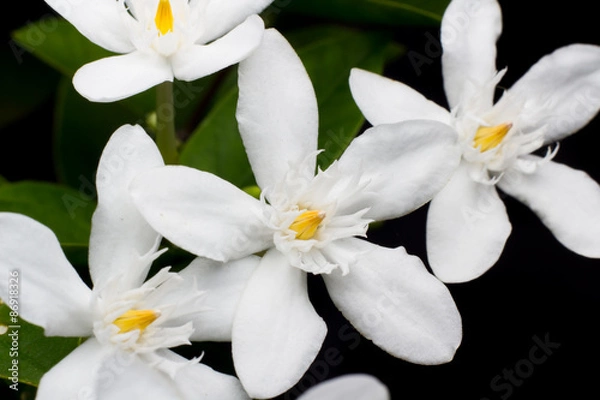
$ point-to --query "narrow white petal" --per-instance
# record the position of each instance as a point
(385, 101)
(467, 227)
(406, 164)
(102, 22)
(469, 33)
(118, 77)
(277, 109)
(51, 294)
(201, 212)
(220, 17)
(351, 386)
(560, 93)
(391, 299)
(199, 60)
(120, 235)
(77, 375)
(276, 332)
(566, 200)
(222, 285)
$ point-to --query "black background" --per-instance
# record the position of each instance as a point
(538, 288)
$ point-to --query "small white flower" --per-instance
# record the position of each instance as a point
(131, 324)
(467, 224)
(160, 40)
(307, 222)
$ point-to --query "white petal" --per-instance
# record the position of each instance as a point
(276, 332)
(201, 212)
(200, 382)
(120, 235)
(196, 61)
(351, 386)
(77, 375)
(391, 299)
(385, 101)
(467, 228)
(406, 163)
(126, 376)
(51, 294)
(220, 17)
(102, 22)
(222, 285)
(566, 200)
(560, 93)
(277, 110)
(469, 32)
(117, 77)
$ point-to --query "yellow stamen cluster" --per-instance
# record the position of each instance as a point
(135, 319)
(488, 137)
(164, 17)
(305, 225)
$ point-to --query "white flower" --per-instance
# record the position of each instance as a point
(130, 323)
(351, 386)
(308, 223)
(159, 40)
(467, 224)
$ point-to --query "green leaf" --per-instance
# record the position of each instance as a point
(57, 42)
(26, 350)
(67, 212)
(328, 58)
(25, 86)
(381, 12)
(328, 54)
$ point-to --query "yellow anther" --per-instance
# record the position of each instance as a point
(136, 319)
(488, 137)
(164, 17)
(305, 225)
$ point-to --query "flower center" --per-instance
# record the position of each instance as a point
(305, 225)
(488, 137)
(164, 17)
(136, 319)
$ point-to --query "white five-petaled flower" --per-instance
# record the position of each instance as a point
(308, 223)
(467, 224)
(159, 40)
(131, 324)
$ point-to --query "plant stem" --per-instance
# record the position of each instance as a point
(165, 123)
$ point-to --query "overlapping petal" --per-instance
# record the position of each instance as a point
(276, 332)
(277, 110)
(391, 299)
(467, 227)
(406, 164)
(102, 22)
(201, 212)
(53, 295)
(560, 93)
(222, 286)
(117, 77)
(566, 200)
(385, 101)
(199, 60)
(120, 235)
